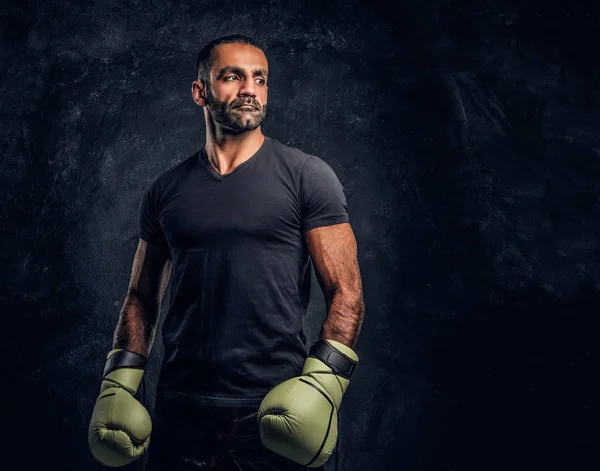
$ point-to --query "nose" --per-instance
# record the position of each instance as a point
(248, 87)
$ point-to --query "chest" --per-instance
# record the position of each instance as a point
(232, 211)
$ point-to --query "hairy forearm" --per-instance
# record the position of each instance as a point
(136, 326)
(344, 318)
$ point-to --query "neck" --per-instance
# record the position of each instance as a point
(225, 151)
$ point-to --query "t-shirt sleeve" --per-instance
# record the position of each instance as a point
(150, 229)
(322, 195)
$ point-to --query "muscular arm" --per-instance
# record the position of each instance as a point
(139, 315)
(334, 253)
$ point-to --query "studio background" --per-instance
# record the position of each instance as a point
(466, 137)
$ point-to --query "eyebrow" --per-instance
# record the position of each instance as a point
(239, 71)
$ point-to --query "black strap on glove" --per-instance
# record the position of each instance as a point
(336, 360)
(125, 359)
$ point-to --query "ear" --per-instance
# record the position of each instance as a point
(199, 93)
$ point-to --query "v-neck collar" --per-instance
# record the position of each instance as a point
(220, 176)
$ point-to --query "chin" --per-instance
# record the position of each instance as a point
(246, 126)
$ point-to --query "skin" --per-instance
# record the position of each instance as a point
(239, 75)
(139, 315)
(334, 254)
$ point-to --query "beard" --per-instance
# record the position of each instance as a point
(233, 118)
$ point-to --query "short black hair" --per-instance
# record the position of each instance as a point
(203, 61)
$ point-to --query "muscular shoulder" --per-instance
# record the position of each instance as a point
(300, 161)
(297, 162)
(289, 155)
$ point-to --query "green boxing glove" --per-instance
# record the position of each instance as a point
(120, 427)
(298, 419)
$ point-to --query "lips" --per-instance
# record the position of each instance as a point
(247, 106)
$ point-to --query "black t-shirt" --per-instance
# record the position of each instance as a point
(240, 282)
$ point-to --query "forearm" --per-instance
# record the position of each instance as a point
(137, 324)
(344, 318)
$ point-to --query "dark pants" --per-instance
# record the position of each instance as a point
(189, 437)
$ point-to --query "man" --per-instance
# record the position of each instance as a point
(235, 228)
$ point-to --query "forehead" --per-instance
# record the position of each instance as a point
(237, 55)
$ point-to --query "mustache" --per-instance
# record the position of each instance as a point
(255, 105)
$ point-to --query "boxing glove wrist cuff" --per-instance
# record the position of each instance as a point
(339, 363)
(124, 359)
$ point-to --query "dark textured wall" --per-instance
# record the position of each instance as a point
(466, 137)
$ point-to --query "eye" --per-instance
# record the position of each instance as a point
(230, 76)
(262, 81)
